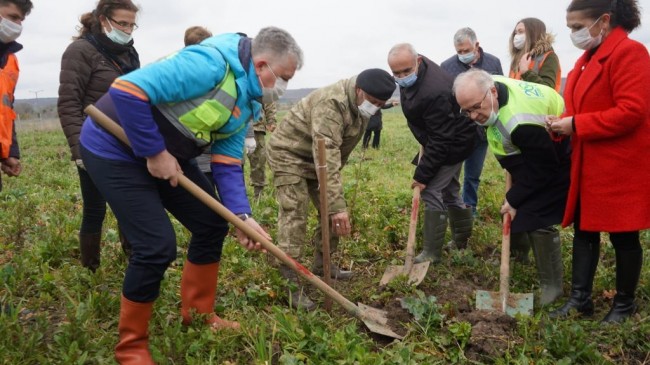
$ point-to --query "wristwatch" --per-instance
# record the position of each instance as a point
(244, 216)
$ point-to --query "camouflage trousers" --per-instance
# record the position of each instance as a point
(257, 160)
(293, 194)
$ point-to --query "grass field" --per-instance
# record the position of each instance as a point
(68, 315)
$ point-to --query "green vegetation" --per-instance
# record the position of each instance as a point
(67, 315)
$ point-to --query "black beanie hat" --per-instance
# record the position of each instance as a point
(377, 83)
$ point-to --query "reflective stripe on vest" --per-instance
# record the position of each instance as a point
(505, 129)
(202, 117)
(528, 104)
(8, 81)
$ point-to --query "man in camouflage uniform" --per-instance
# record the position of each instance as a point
(258, 158)
(339, 113)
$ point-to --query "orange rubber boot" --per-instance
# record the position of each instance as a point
(198, 292)
(133, 348)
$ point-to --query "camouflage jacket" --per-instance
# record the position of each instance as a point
(267, 122)
(330, 112)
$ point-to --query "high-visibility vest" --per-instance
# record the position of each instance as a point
(201, 118)
(528, 104)
(535, 65)
(8, 80)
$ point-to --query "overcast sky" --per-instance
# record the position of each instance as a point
(339, 38)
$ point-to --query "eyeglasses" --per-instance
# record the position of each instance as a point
(476, 107)
(123, 25)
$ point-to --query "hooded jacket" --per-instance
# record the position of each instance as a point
(549, 73)
(86, 74)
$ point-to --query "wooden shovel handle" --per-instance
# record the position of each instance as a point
(504, 285)
(324, 214)
(413, 224)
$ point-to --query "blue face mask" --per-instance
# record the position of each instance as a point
(407, 81)
(466, 58)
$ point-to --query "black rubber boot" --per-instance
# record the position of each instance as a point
(435, 226)
(335, 270)
(461, 222)
(298, 299)
(520, 247)
(585, 261)
(89, 245)
(548, 257)
(628, 270)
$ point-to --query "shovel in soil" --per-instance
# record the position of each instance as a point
(504, 301)
(415, 272)
(375, 319)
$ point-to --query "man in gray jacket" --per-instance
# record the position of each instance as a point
(470, 55)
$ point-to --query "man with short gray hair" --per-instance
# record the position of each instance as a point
(470, 55)
(514, 113)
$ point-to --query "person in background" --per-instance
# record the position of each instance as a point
(447, 139)
(12, 15)
(375, 124)
(195, 35)
(607, 119)
(158, 106)
(514, 113)
(101, 52)
(532, 57)
(338, 113)
(469, 55)
(257, 157)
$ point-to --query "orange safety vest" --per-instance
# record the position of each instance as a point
(535, 65)
(8, 80)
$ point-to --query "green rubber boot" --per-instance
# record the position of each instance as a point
(435, 226)
(520, 247)
(548, 257)
(461, 221)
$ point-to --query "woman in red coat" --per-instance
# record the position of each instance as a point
(608, 118)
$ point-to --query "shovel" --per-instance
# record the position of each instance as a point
(375, 319)
(504, 301)
(324, 216)
(415, 272)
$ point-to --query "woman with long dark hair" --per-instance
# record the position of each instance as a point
(101, 52)
(607, 117)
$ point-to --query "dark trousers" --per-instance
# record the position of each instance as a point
(375, 140)
(140, 203)
(623, 241)
(94, 205)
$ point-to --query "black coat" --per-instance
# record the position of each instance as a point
(434, 119)
(540, 176)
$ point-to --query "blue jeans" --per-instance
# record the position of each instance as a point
(473, 168)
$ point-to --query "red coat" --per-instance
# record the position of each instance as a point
(608, 93)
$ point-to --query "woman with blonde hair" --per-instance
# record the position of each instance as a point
(532, 56)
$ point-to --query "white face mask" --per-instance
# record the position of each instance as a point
(271, 95)
(368, 109)
(583, 39)
(519, 40)
(9, 31)
(118, 36)
(494, 116)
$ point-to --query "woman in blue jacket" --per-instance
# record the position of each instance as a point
(218, 83)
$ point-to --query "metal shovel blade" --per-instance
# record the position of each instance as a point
(515, 303)
(377, 321)
(417, 273)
